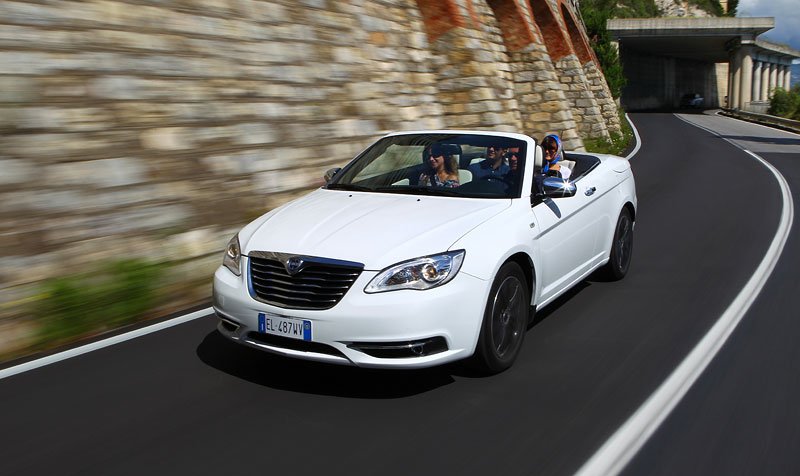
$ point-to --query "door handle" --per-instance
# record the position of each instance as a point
(590, 191)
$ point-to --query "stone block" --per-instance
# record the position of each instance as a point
(165, 138)
(253, 133)
(550, 106)
(465, 120)
(523, 88)
(537, 116)
(481, 94)
(101, 173)
(16, 171)
(462, 84)
(553, 95)
(561, 115)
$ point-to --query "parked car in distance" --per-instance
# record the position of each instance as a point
(692, 100)
(386, 267)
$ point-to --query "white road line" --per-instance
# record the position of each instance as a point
(623, 445)
(636, 135)
(68, 354)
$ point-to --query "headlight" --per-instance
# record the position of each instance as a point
(420, 273)
(233, 256)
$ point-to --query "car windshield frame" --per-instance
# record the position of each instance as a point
(397, 163)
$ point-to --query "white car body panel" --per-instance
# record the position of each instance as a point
(560, 241)
(343, 225)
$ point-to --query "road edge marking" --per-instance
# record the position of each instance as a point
(618, 450)
(68, 354)
(636, 135)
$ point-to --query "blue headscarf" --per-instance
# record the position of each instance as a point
(556, 157)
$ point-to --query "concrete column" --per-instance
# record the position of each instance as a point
(765, 81)
(787, 77)
(729, 85)
(736, 82)
(757, 81)
(773, 77)
(746, 88)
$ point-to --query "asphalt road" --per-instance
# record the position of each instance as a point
(186, 401)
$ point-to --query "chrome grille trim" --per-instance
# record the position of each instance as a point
(319, 283)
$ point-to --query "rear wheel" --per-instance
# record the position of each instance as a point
(504, 321)
(619, 259)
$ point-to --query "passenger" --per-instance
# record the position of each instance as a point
(492, 166)
(514, 172)
(443, 171)
(553, 152)
(512, 156)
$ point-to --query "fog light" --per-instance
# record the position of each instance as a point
(402, 350)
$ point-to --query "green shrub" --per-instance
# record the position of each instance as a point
(118, 293)
(785, 103)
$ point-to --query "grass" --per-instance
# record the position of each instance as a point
(75, 306)
(618, 143)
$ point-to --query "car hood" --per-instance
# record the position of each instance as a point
(375, 229)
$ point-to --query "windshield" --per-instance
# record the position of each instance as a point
(462, 165)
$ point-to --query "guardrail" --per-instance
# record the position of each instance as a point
(776, 121)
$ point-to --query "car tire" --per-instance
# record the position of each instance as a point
(505, 321)
(619, 258)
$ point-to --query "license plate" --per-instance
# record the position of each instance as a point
(284, 326)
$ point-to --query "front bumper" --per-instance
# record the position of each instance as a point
(450, 314)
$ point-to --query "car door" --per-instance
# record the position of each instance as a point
(568, 232)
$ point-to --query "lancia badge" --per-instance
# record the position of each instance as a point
(294, 264)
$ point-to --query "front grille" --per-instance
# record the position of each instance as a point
(318, 285)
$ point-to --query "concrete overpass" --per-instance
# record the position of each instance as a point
(720, 58)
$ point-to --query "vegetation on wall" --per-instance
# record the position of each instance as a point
(619, 144)
(785, 103)
(118, 293)
(633, 8)
(733, 5)
(595, 14)
(711, 6)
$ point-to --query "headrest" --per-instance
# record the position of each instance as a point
(538, 159)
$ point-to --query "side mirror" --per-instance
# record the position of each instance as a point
(554, 187)
(330, 173)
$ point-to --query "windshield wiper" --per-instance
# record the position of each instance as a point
(350, 187)
(419, 190)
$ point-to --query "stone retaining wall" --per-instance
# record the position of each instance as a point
(156, 129)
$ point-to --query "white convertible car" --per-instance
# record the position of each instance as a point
(427, 248)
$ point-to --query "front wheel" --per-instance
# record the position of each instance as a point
(619, 259)
(504, 321)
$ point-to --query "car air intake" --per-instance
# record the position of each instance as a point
(314, 283)
(401, 350)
